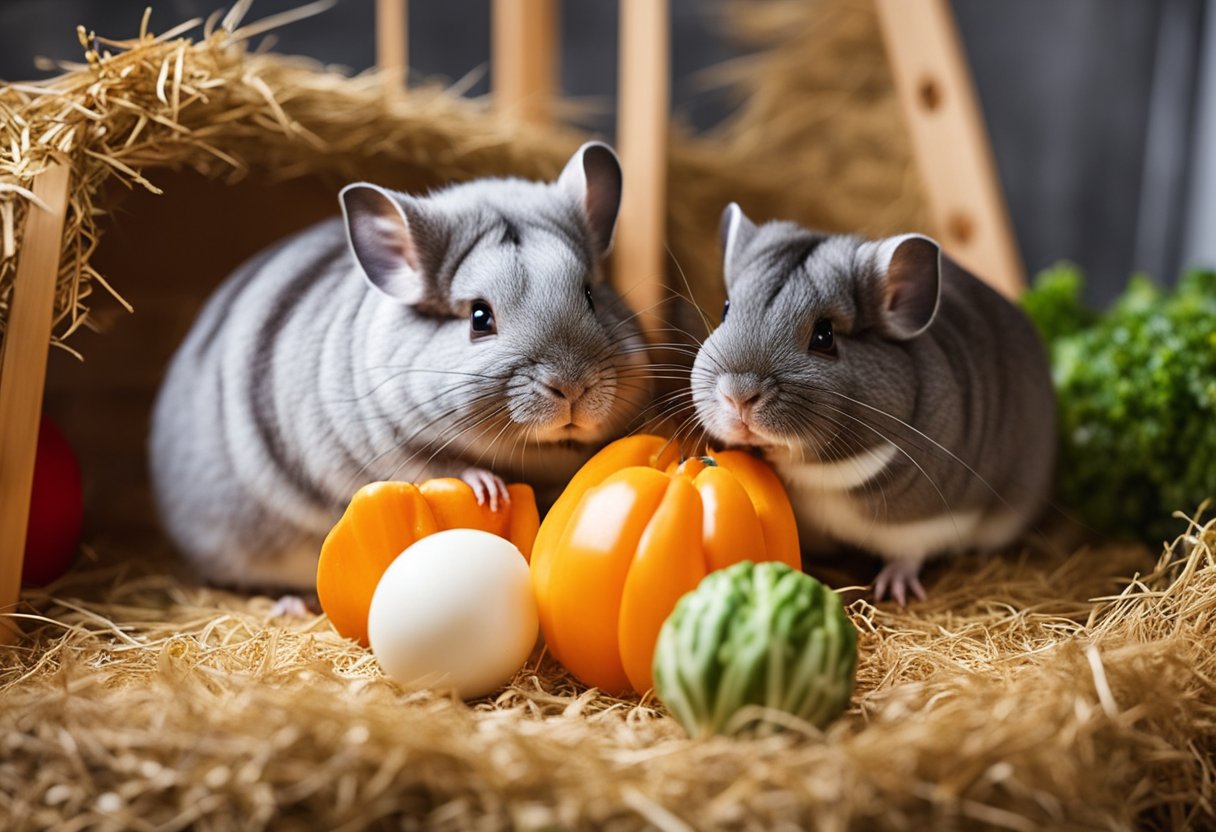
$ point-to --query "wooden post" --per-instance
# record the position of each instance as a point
(524, 59)
(640, 255)
(23, 375)
(949, 139)
(392, 41)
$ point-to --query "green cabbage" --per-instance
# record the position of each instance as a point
(1136, 390)
(761, 635)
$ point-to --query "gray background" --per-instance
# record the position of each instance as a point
(1102, 112)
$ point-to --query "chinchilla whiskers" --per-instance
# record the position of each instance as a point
(412, 369)
(932, 482)
(820, 439)
(625, 350)
(935, 446)
(658, 347)
(493, 443)
(400, 444)
(520, 444)
(868, 486)
(939, 446)
(683, 435)
(679, 371)
(710, 354)
(844, 457)
(472, 378)
(682, 415)
(639, 385)
(901, 423)
(481, 419)
(666, 406)
(472, 384)
(636, 399)
(672, 294)
(887, 438)
(690, 298)
(656, 377)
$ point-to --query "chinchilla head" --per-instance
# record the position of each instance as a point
(527, 342)
(815, 339)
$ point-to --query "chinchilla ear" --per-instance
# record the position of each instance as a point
(735, 231)
(392, 240)
(909, 271)
(593, 178)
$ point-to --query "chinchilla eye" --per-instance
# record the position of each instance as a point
(590, 299)
(822, 339)
(481, 319)
(725, 308)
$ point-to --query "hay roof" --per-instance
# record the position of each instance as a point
(213, 103)
(1030, 692)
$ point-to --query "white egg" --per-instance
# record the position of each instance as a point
(455, 610)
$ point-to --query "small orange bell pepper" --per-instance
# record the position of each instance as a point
(385, 518)
(635, 530)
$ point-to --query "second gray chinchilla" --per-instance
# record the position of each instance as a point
(466, 333)
(907, 406)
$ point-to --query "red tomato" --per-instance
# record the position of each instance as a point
(56, 508)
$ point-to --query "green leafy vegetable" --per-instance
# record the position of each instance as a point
(760, 635)
(1137, 400)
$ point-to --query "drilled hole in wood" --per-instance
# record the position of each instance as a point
(930, 93)
(960, 228)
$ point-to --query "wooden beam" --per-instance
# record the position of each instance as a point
(23, 376)
(392, 40)
(640, 256)
(524, 59)
(950, 141)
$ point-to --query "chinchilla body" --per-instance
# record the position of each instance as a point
(414, 337)
(907, 406)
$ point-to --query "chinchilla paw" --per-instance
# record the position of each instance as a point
(487, 486)
(897, 579)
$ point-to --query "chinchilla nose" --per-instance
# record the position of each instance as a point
(562, 387)
(740, 392)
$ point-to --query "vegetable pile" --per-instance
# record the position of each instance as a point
(1137, 400)
(759, 635)
(649, 571)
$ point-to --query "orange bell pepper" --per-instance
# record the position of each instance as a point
(635, 530)
(385, 518)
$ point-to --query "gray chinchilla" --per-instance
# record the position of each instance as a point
(469, 333)
(907, 406)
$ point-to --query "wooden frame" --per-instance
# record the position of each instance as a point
(392, 41)
(643, 112)
(949, 140)
(23, 375)
(524, 59)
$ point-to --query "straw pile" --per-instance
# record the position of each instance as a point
(218, 106)
(1032, 691)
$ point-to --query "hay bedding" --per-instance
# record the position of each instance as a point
(1032, 691)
